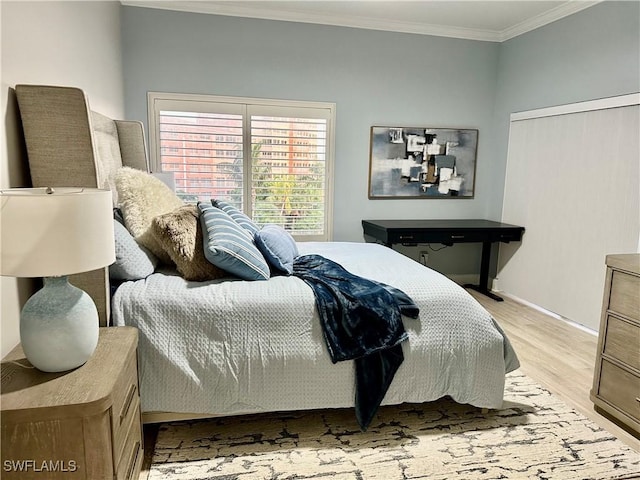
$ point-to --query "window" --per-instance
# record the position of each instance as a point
(273, 159)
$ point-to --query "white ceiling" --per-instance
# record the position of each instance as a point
(494, 21)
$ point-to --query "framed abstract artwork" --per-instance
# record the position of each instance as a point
(422, 162)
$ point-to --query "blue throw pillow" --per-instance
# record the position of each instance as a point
(133, 261)
(278, 247)
(229, 246)
(239, 217)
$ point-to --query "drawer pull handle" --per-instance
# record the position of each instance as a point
(128, 401)
(638, 399)
(133, 461)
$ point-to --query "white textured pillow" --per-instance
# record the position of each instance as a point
(143, 197)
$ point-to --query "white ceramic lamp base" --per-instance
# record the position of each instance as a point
(59, 326)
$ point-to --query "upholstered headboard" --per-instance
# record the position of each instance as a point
(69, 145)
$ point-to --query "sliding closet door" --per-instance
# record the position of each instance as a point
(572, 181)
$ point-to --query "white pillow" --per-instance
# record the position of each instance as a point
(142, 197)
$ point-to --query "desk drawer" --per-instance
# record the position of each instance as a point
(446, 238)
(506, 236)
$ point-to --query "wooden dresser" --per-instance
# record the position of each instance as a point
(82, 424)
(616, 382)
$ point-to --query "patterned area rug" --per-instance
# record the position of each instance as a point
(534, 436)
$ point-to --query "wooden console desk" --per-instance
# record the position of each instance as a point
(446, 232)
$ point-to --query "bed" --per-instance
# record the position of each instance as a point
(227, 346)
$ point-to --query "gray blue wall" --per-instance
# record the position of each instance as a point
(385, 78)
(592, 54)
(375, 78)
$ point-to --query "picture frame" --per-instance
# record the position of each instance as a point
(422, 162)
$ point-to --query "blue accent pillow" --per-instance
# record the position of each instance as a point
(133, 261)
(229, 246)
(239, 217)
(278, 247)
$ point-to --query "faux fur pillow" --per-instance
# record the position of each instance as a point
(180, 235)
(142, 197)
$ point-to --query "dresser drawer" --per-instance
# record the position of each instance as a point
(126, 397)
(622, 341)
(625, 295)
(621, 389)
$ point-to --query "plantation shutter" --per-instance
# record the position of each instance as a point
(271, 159)
(204, 152)
(289, 167)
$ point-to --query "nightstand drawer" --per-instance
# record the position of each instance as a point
(129, 466)
(124, 404)
(87, 415)
(621, 389)
(622, 342)
(625, 295)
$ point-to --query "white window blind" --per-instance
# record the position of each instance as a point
(271, 159)
(204, 153)
(572, 182)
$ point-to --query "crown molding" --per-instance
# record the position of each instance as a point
(561, 11)
(236, 9)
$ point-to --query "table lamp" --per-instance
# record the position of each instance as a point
(53, 233)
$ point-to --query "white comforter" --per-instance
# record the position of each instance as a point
(233, 346)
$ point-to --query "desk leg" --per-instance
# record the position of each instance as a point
(483, 287)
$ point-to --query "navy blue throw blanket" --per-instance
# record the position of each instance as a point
(361, 321)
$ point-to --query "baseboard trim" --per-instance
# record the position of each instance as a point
(548, 312)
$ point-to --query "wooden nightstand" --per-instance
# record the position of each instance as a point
(82, 424)
(616, 382)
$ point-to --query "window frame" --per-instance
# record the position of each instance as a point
(162, 101)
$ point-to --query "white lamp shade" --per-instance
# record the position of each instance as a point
(53, 234)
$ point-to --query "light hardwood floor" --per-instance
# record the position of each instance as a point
(556, 354)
